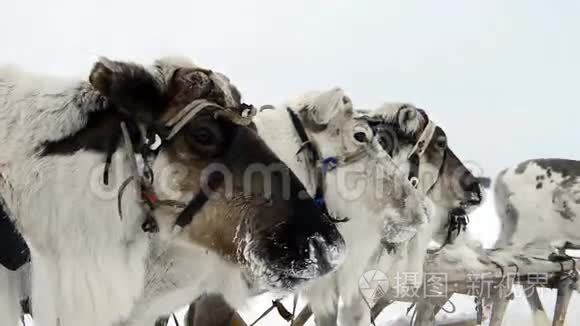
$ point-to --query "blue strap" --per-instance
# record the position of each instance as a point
(329, 164)
(319, 201)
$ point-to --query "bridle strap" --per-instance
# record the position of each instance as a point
(187, 114)
(304, 139)
(313, 155)
(424, 139)
(418, 151)
(413, 177)
(195, 205)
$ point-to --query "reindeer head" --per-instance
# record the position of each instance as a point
(421, 150)
(244, 204)
(359, 182)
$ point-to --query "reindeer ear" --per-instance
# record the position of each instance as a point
(131, 87)
(408, 118)
(406, 115)
(327, 105)
(101, 76)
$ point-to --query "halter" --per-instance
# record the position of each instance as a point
(144, 183)
(417, 153)
(322, 165)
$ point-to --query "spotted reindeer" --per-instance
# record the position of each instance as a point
(114, 242)
(538, 203)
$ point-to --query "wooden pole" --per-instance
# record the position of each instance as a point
(424, 314)
(303, 316)
(538, 311)
(381, 304)
(162, 321)
(565, 289)
(501, 297)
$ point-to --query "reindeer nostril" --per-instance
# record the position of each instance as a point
(473, 190)
(319, 253)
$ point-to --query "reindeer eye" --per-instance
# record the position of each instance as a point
(203, 136)
(360, 136)
(441, 143)
(206, 138)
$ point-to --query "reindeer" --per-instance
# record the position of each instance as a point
(538, 203)
(113, 244)
(419, 148)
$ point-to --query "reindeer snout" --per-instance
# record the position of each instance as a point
(328, 258)
(473, 191)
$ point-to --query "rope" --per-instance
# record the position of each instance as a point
(264, 314)
(414, 315)
(120, 195)
(370, 310)
(479, 309)
(453, 307)
(284, 313)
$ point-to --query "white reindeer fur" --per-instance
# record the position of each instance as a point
(368, 214)
(89, 267)
(9, 297)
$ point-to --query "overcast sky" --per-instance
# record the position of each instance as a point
(502, 78)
